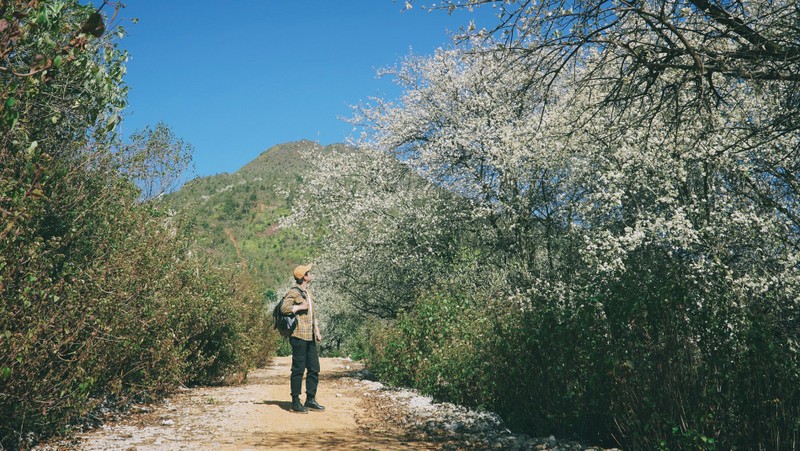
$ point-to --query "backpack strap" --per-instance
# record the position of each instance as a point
(302, 293)
(283, 299)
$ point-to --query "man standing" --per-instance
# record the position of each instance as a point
(303, 340)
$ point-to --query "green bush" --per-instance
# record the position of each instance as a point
(101, 299)
(489, 353)
(643, 361)
(657, 356)
(126, 324)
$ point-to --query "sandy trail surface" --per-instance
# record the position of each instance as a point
(256, 415)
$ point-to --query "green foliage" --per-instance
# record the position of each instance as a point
(101, 298)
(638, 355)
(132, 323)
(438, 347)
(154, 160)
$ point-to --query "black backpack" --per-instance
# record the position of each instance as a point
(285, 324)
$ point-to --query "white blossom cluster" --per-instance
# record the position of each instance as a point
(482, 170)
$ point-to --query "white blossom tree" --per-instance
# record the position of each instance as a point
(389, 231)
(694, 47)
(624, 166)
(682, 56)
(470, 123)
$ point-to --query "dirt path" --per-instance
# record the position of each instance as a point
(256, 415)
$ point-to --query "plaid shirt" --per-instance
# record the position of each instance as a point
(305, 318)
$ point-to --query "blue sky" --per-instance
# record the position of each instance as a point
(235, 78)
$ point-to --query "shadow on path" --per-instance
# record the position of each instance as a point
(341, 440)
(285, 405)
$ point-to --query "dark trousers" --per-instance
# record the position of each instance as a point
(304, 357)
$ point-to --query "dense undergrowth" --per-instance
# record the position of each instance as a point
(635, 362)
(101, 299)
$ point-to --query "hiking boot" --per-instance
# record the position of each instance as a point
(311, 403)
(296, 406)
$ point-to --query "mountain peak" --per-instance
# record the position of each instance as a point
(286, 155)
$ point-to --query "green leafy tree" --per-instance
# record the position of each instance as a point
(101, 299)
(155, 160)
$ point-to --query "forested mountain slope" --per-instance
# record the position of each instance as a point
(234, 217)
